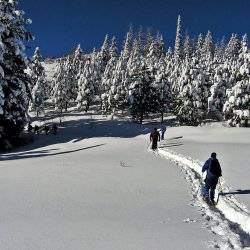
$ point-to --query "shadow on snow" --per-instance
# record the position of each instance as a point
(42, 153)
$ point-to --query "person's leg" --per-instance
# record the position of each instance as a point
(212, 189)
(162, 136)
(154, 144)
(205, 191)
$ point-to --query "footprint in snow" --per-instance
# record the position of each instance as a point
(188, 220)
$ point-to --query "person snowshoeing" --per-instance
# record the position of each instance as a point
(212, 166)
(54, 128)
(163, 130)
(154, 138)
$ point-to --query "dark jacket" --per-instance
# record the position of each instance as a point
(155, 136)
(212, 166)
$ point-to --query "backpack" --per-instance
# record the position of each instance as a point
(214, 167)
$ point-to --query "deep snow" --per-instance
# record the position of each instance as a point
(96, 186)
(100, 192)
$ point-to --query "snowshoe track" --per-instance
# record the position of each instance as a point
(229, 219)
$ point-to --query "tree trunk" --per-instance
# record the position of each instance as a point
(141, 116)
(162, 117)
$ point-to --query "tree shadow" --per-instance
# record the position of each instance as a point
(42, 153)
(171, 145)
(238, 191)
(75, 131)
(84, 126)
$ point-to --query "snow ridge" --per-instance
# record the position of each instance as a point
(230, 219)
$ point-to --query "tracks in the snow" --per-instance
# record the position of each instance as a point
(229, 219)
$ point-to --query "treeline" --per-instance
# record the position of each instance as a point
(196, 80)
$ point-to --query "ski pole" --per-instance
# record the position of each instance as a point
(219, 191)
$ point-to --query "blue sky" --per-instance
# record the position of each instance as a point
(59, 25)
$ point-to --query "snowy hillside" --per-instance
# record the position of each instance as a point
(96, 185)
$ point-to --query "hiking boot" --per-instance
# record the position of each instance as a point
(212, 202)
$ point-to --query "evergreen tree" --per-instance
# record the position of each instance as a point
(105, 52)
(178, 41)
(75, 68)
(207, 52)
(219, 51)
(86, 86)
(14, 90)
(108, 76)
(118, 93)
(233, 47)
(217, 96)
(38, 96)
(1, 73)
(62, 89)
(163, 86)
(191, 105)
(38, 83)
(143, 96)
(187, 47)
(117, 97)
(128, 43)
(101, 61)
(148, 41)
(36, 68)
(237, 106)
(199, 46)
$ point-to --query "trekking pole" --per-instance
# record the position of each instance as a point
(219, 191)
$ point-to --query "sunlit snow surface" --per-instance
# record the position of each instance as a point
(96, 185)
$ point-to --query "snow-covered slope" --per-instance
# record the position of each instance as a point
(96, 186)
(233, 147)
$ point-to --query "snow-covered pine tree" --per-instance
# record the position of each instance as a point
(86, 86)
(77, 61)
(207, 51)
(178, 41)
(163, 86)
(237, 106)
(35, 67)
(233, 48)
(15, 81)
(62, 89)
(96, 71)
(118, 96)
(219, 51)
(101, 59)
(191, 107)
(155, 51)
(187, 47)
(38, 83)
(105, 52)
(143, 96)
(1, 73)
(108, 77)
(128, 43)
(199, 45)
(217, 98)
(38, 96)
(148, 41)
